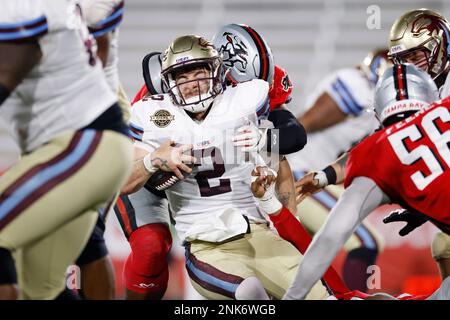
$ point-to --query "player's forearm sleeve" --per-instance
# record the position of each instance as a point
(291, 134)
(358, 200)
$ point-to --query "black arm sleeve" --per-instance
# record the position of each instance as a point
(291, 134)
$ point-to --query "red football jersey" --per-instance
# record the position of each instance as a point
(281, 88)
(410, 162)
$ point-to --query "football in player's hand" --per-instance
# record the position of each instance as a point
(162, 180)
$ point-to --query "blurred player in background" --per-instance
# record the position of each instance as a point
(50, 198)
(412, 165)
(336, 117)
(103, 18)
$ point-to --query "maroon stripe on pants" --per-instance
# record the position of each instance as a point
(216, 273)
(38, 193)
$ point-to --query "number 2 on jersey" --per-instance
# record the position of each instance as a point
(218, 170)
(440, 139)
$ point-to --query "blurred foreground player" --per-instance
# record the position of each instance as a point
(46, 60)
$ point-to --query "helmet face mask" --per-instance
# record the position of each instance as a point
(192, 64)
(424, 30)
(419, 57)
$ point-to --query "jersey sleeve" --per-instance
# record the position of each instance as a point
(102, 16)
(139, 127)
(22, 20)
(281, 89)
(351, 91)
(358, 164)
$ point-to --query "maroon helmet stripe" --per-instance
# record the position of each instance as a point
(263, 53)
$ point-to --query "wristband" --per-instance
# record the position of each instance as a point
(331, 174)
(148, 164)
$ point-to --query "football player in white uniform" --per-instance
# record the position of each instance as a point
(103, 18)
(144, 215)
(46, 60)
(336, 117)
(231, 253)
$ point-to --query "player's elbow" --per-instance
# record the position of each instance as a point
(292, 139)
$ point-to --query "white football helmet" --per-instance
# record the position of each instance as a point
(402, 90)
(245, 53)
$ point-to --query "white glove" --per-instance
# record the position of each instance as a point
(250, 138)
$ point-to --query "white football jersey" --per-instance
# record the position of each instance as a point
(67, 90)
(354, 95)
(222, 177)
(103, 16)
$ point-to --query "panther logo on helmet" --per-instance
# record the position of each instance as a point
(234, 52)
(286, 83)
(245, 53)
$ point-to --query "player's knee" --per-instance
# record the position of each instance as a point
(251, 289)
(148, 282)
(440, 247)
(150, 245)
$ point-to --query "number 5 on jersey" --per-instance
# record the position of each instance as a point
(440, 139)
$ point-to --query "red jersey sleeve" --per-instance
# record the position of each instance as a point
(360, 163)
(140, 94)
(281, 88)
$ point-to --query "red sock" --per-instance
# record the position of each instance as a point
(290, 229)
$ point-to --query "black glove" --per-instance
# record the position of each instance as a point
(413, 220)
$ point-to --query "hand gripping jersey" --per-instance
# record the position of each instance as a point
(103, 16)
(410, 162)
(353, 93)
(221, 179)
(62, 92)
